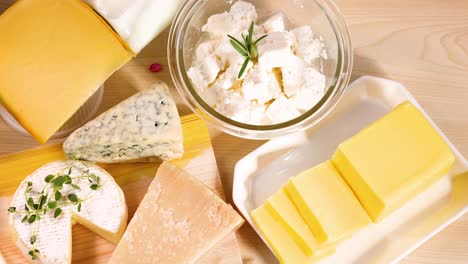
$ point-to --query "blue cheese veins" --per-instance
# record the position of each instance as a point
(145, 127)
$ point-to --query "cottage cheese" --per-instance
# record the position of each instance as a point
(284, 83)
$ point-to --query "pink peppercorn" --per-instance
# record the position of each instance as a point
(155, 67)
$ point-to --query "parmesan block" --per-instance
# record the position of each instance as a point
(103, 211)
(178, 221)
(145, 127)
(56, 54)
(138, 22)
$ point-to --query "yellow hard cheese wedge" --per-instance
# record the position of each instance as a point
(327, 204)
(283, 210)
(394, 159)
(280, 241)
(54, 55)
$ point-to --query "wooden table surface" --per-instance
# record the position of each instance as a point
(420, 43)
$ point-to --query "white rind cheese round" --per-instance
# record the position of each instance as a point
(145, 127)
(104, 211)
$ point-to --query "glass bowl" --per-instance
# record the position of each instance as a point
(324, 18)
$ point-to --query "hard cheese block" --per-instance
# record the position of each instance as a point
(178, 221)
(144, 127)
(55, 55)
(137, 22)
(394, 159)
(327, 204)
(283, 210)
(103, 211)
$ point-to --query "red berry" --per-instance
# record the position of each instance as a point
(155, 67)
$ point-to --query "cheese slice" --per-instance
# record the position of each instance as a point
(55, 55)
(178, 221)
(283, 210)
(280, 241)
(139, 21)
(103, 211)
(393, 160)
(144, 127)
(327, 204)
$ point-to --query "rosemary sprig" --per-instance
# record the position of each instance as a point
(247, 48)
(51, 198)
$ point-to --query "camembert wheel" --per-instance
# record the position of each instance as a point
(47, 201)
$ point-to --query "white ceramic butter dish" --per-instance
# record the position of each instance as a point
(265, 170)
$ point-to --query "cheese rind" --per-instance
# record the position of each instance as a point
(283, 210)
(393, 160)
(103, 211)
(178, 220)
(62, 55)
(144, 127)
(327, 204)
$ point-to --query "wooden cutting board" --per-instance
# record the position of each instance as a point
(198, 160)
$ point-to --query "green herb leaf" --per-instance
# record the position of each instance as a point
(36, 206)
(73, 198)
(26, 208)
(94, 187)
(242, 45)
(29, 184)
(260, 39)
(247, 49)
(74, 186)
(32, 218)
(38, 217)
(32, 240)
(52, 204)
(31, 202)
(12, 209)
(79, 207)
(254, 51)
(250, 36)
(244, 66)
(239, 49)
(58, 182)
(49, 178)
(57, 212)
(58, 196)
(25, 218)
(69, 171)
(93, 177)
(42, 200)
(67, 179)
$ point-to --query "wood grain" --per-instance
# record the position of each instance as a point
(134, 179)
(421, 43)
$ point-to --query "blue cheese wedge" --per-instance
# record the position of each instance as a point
(145, 127)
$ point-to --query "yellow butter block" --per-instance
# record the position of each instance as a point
(393, 160)
(280, 241)
(55, 55)
(327, 204)
(283, 210)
